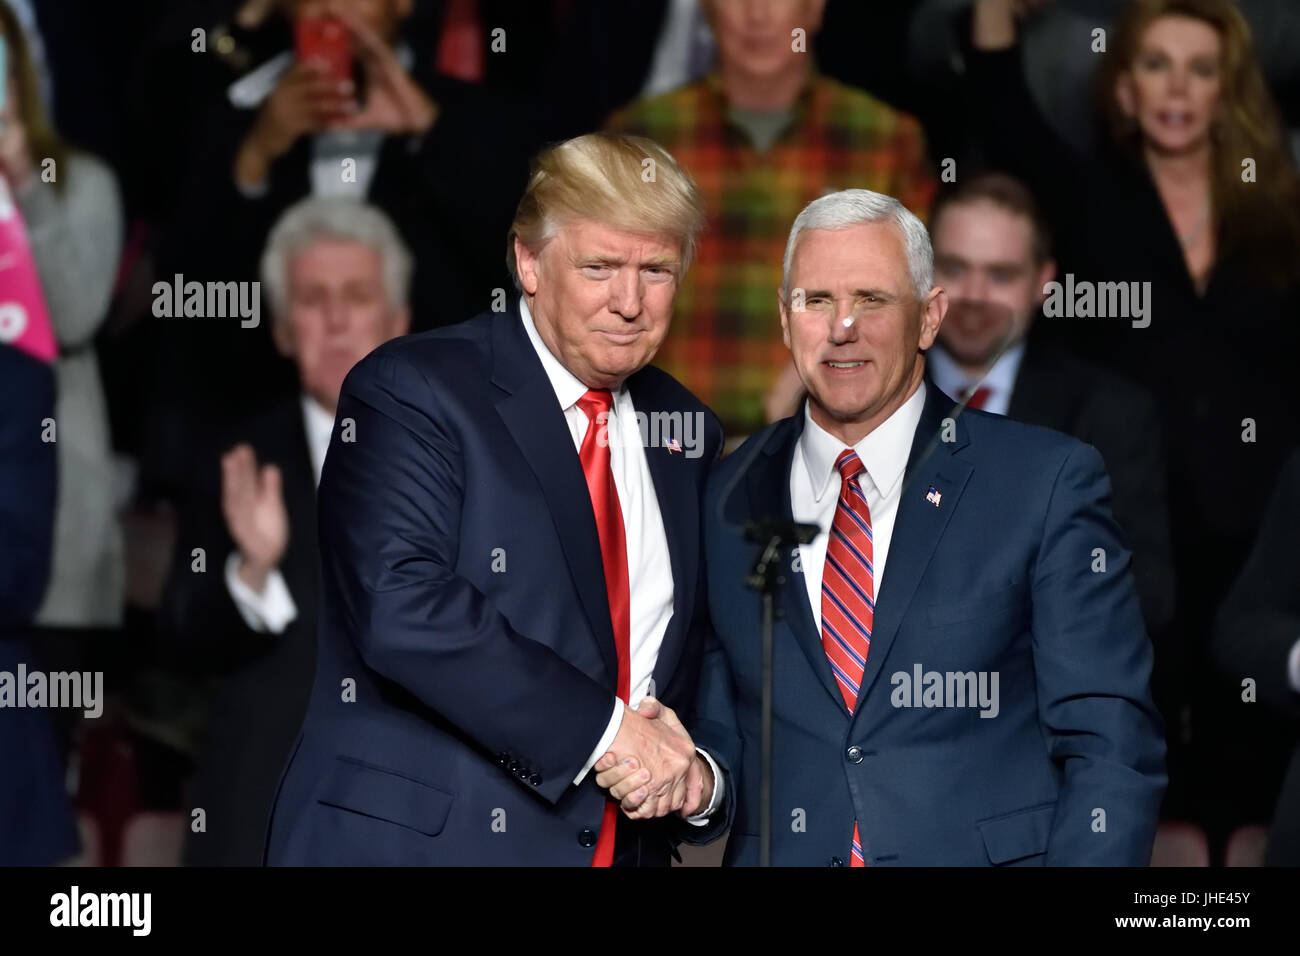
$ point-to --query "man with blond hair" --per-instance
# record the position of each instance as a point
(511, 557)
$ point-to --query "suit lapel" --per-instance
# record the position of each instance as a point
(532, 414)
(1041, 395)
(768, 486)
(919, 525)
(675, 489)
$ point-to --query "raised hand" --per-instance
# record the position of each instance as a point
(394, 102)
(305, 100)
(253, 505)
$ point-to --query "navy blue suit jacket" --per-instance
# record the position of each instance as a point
(36, 822)
(463, 595)
(998, 576)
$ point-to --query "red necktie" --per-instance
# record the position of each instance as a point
(978, 397)
(594, 456)
(460, 44)
(848, 593)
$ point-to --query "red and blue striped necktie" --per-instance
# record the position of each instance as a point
(848, 593)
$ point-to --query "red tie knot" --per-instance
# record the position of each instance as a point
(849, 465)
(595, 401)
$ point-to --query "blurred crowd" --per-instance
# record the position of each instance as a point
(1112, 195)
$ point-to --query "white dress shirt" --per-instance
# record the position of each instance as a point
(649, 568)
(1000, 380)
(273, 609)
(815, 488)
(815, 493)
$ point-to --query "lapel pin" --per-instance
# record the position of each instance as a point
(674, 446)
(933, 496)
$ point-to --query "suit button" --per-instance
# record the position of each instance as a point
(503, 759)
(514, 766)
(854, 754)
(836, 861)
(587, 837)
(535, 780)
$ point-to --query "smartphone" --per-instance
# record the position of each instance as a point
(4, 74)
(326, 40)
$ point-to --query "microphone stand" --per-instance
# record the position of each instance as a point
(767, 577)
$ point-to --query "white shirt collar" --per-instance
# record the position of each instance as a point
(319, 425)
(950, 379)
(884, 451)
(568, 387)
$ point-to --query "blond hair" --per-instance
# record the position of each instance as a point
(626, 182)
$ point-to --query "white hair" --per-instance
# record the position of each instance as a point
(337, 219)
(851, 207)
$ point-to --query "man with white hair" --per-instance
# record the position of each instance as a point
(981, 700)
(244, 613)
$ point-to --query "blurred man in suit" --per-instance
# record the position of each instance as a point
(36, 822)
(337, 274)
(992, 706)
(992, 256)
(1257, 637)
(510, 538)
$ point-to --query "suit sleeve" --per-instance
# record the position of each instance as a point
(204, 631)
(389, 505)
(714, 729)
(1092, 661)
(28, 479)
(1259, 623)
(712, 722)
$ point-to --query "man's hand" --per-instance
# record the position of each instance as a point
(305, 100)
(253, 506)
(621, 772)
(394, 102)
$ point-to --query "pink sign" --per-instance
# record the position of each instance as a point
(24, 319)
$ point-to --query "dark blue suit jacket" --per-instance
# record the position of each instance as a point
(997, 577)
(36, 822)
(463, 596)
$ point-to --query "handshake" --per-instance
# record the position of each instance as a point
(652, 767)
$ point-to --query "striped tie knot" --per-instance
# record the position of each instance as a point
(849, 465)
(595, 401)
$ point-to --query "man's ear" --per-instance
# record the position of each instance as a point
(816, 9)
(401, 321)
(527, 262)
(785, 317)
(933, 309)
(282, 335)
(1046, 273)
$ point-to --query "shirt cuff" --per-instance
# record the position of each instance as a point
(1293, 667)
(701, 819)
(606, 741)
(272, 610)
(256, 191)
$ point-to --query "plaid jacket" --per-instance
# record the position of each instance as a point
(725, 344)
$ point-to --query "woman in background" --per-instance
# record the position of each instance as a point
(1193, 204)
(71, 207)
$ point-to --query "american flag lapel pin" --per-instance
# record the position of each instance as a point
(673, 445)
(933, 496)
